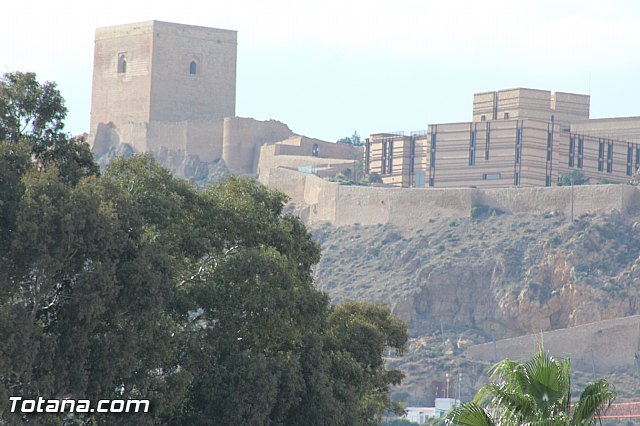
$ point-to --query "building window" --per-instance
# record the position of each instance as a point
(193, 68)
(580, 150)
(600, 155)
(314, 150)
(506, 116)
(412, 156)
(367, 153)
(432, 159)
(572, 149)
(516, 178)
(629, 160)
(390, 157)
(472, 148)
(549, 145)
(487, 142)
(492, 176)
(384, 157)
(609, 157)
(122, 63)
(483, 117)
(518, 145)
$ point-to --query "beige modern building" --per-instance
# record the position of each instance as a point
(620, 128)
(518, 137)
(400, 160)
(560, 108)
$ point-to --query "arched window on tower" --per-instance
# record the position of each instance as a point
(193, 68)
(122, 63)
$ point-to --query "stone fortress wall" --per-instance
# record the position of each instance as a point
(607, 345)
(320, 201)
(587, 345)
(242, 139)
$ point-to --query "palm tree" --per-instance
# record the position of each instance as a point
(536, 393)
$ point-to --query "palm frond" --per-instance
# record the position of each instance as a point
(548, 381)
(507, 401)
(470, 414)
(594, 401)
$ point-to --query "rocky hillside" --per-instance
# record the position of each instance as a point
(463, 281)
(502, 275)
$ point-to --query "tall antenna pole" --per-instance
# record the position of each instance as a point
(447, 392)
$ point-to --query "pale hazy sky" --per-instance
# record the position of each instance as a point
(327, 68)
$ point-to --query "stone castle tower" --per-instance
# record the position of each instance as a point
(162, 85)
(170, 89)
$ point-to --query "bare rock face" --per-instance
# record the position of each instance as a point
(181, 164)
(501, 276)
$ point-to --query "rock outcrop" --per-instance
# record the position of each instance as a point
(502, 276)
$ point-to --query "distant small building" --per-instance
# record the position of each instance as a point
(400, 160)
(421, 415)
(314, 156)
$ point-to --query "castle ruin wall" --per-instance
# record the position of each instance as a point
(587, 345)
(242, 138)
(347, 205)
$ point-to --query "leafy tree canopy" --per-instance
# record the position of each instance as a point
(29, 109)
(575, 177)
(374, 178)
(135, 285)
(33, 114)
(354, 140)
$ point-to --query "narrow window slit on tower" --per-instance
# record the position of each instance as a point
(122, 64)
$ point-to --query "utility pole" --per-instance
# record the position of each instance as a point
(447, 392)
(495, 348)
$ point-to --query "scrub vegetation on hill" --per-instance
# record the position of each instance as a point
(458, 282)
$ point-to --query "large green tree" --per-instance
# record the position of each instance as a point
(33, 113)
(135, 285)
(29, 109)
(535, 392)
